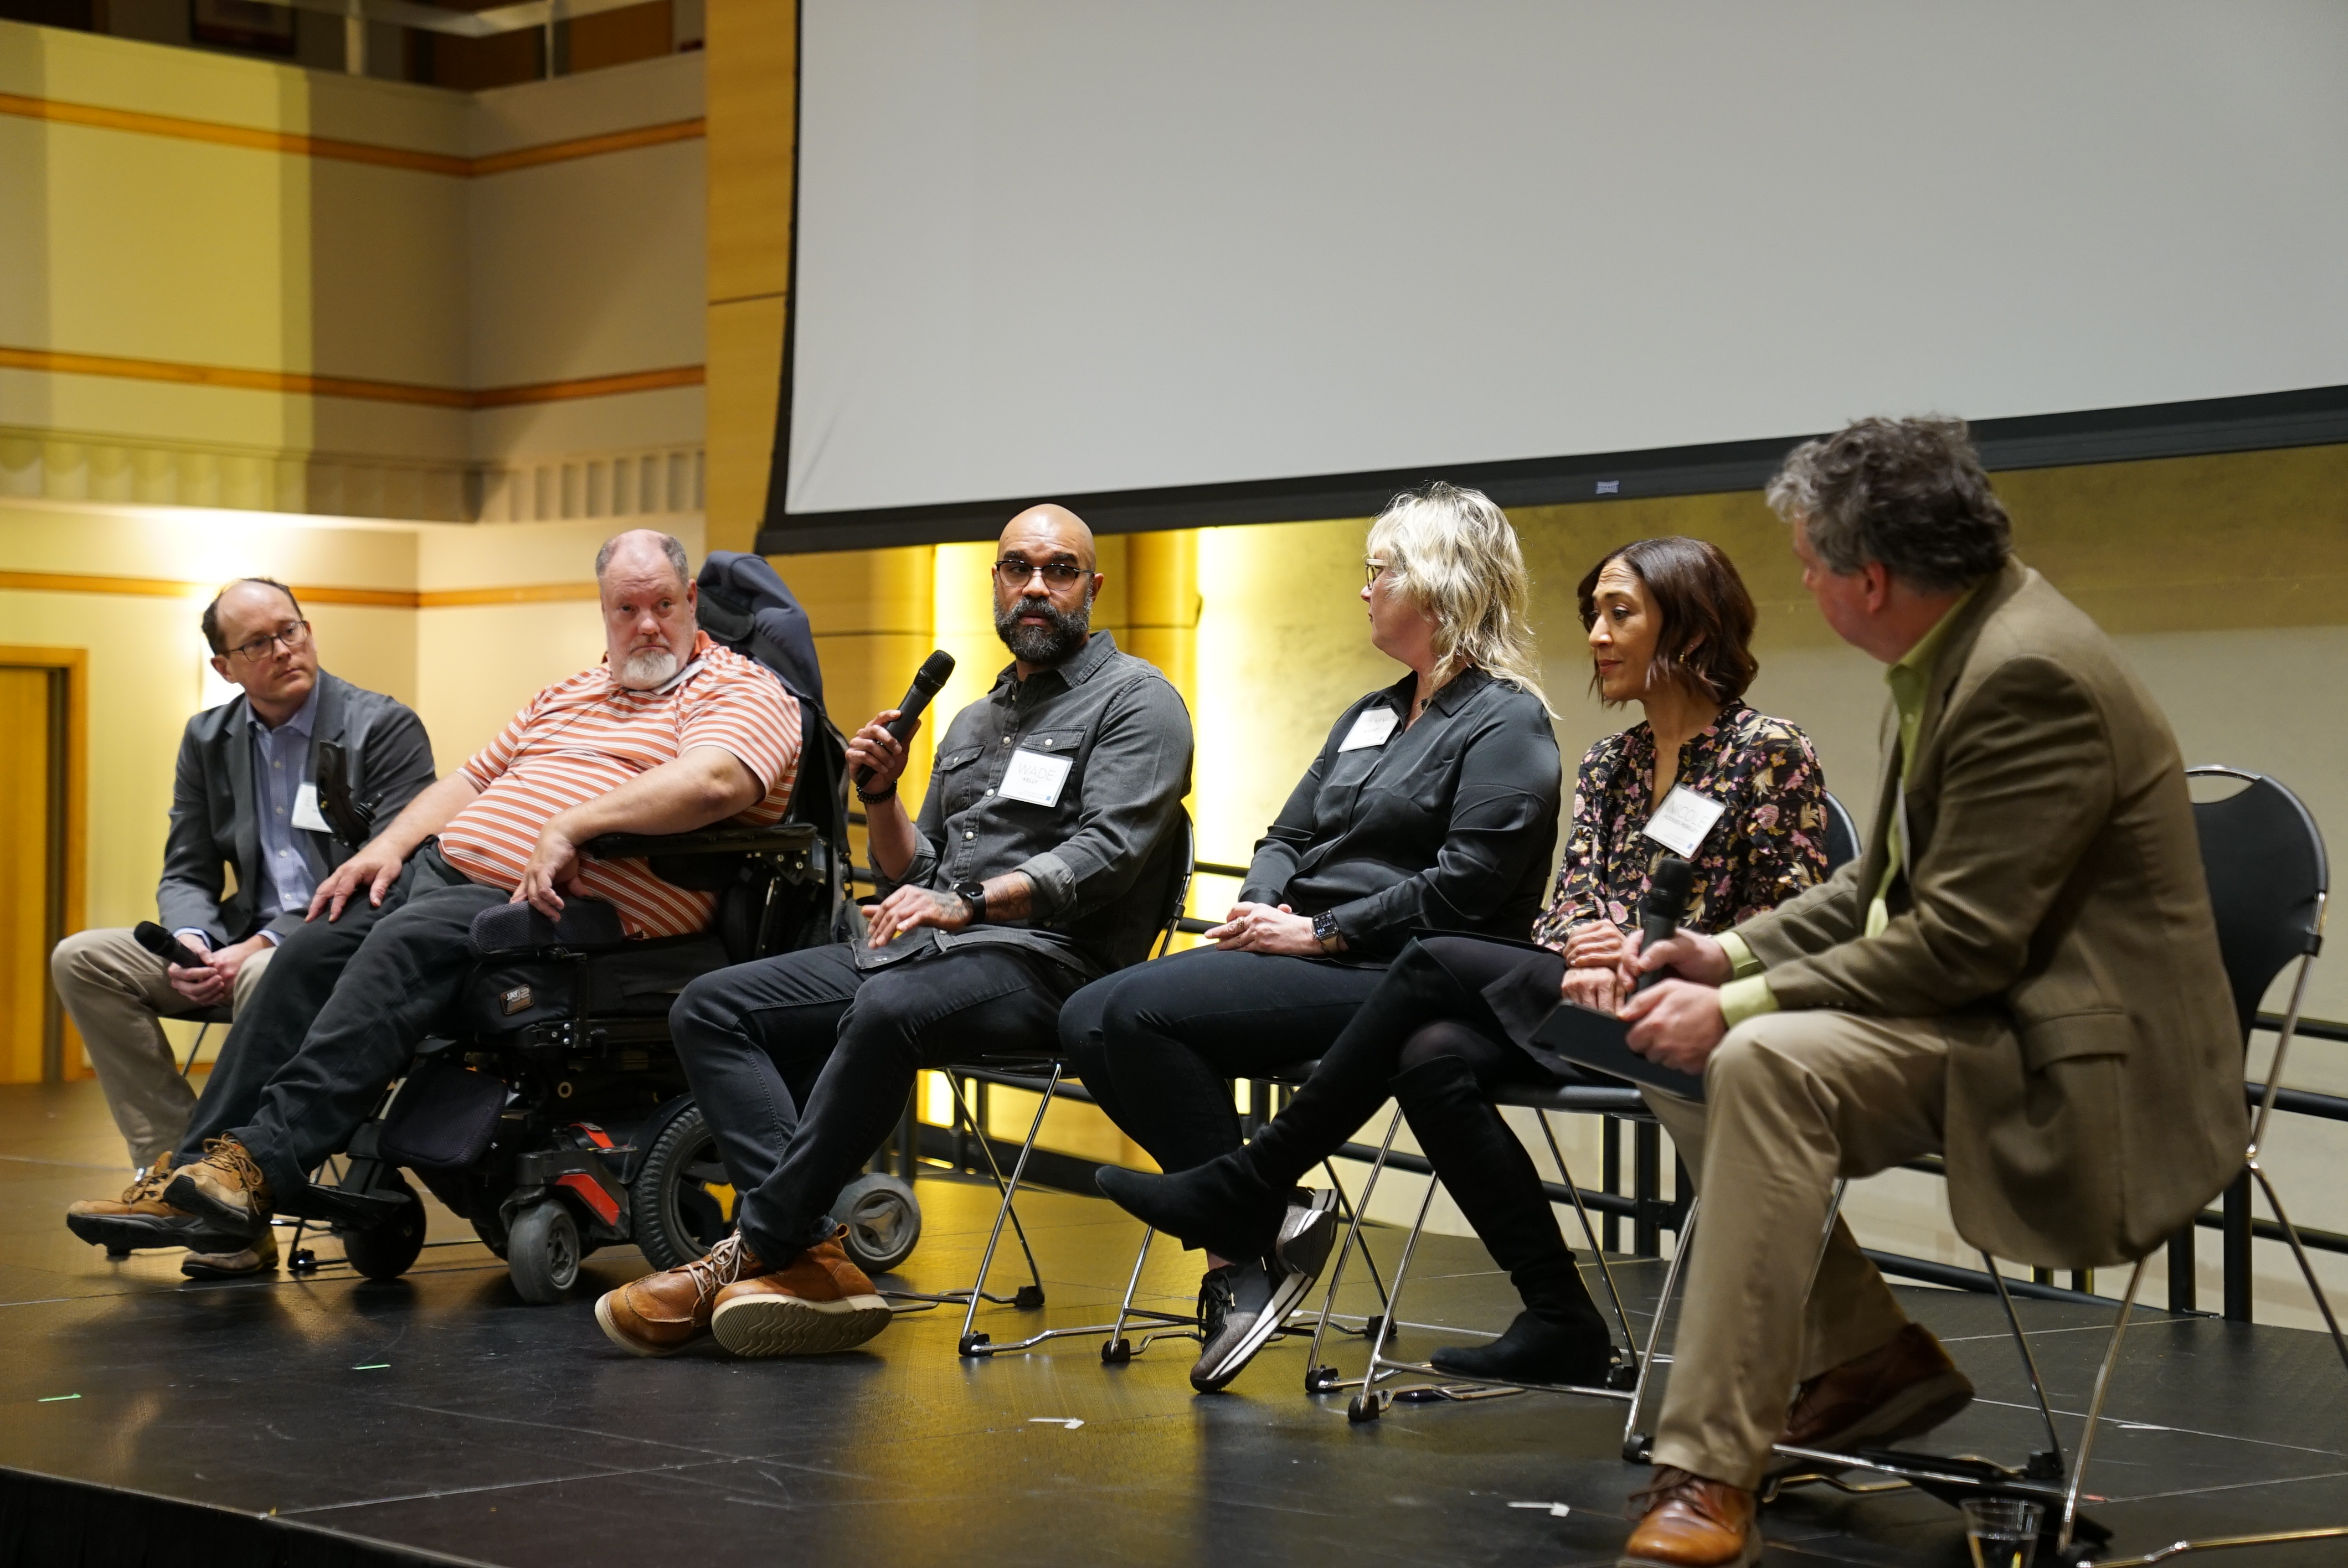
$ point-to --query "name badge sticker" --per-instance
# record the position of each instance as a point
(1679, 824)
(305, 810)
(1371, 728)
(1034, 777)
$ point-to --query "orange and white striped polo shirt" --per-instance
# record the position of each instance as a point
(583, 737)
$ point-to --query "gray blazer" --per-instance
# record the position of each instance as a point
(215, 823)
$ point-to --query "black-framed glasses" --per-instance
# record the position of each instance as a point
(294, 634)
(1011, 572)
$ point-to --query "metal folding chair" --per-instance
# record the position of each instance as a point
(1630, 1378)
(2268, 881)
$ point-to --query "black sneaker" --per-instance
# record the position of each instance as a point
(1242, 1305)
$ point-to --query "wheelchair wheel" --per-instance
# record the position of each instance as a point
(673, 1213)
(388, 1250)
(542, 1252)
(883, 1220)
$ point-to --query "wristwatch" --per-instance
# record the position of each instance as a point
(1326, 932)
(974, 897)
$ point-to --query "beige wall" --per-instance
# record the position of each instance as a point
(147, 237)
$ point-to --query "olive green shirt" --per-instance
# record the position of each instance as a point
(1746, 994)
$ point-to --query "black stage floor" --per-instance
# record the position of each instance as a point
(439, 1419)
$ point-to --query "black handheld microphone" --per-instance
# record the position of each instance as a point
(1668, 886)
(927, 681)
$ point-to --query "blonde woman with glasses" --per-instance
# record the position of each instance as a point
(1433, 804)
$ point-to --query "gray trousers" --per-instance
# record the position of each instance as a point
(115, 991)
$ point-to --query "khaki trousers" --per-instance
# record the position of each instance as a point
(1793, 1101)
(115, 991)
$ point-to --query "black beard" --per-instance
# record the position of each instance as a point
(1055, 642)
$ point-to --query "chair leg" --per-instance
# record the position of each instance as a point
(1369, 1403)
(2306, 1266)
(1319, 1378)
(1589, 1233)
(195, 1050)
(1006, 1210)
(1636, 1443)
(1116, 1349)
(2029, 1360)
(1353, 1223)
(2095, 1412)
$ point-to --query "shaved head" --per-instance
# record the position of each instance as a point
(1042, 532)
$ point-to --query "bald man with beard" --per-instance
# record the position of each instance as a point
(1038, 863)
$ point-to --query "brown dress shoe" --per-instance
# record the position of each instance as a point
(226, 1257)
(1688, 1522)
(118, 1224)
(224, 1189)
(663, 1313)
(818, 1303)
(1905, 1386)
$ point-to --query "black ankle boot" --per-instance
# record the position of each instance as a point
(1223, 1205)
(1559, 1335)
(1537, 1349)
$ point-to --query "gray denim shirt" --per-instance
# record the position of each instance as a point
(1101, 856)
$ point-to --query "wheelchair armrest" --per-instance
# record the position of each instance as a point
(781, 837)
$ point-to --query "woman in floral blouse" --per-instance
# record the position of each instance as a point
(1670, 624)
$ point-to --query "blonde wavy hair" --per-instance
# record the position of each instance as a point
(1452, 553)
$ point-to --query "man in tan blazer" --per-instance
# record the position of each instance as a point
(2021, 973)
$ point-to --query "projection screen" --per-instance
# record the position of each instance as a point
(1235, 250)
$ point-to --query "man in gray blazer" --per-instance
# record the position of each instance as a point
(246, 798)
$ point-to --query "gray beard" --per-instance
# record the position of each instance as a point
(646, 669)
(1055, 643)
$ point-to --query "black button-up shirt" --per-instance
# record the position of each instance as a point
(1108, 833)
(1446, 824)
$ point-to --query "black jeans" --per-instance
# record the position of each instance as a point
(802, 1063)
(1157, 1043)
(292, 992)
(405, 975)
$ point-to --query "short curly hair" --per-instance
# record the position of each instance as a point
(1907, 494)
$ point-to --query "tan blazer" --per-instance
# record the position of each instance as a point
(2056, 921)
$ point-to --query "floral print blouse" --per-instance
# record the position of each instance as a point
(1769, 844)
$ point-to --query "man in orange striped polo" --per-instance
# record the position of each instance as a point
(671, 733)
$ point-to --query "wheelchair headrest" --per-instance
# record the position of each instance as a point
(586, 923)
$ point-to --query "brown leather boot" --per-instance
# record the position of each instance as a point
(1688, 1522)
(818, 1303)
(1903, 1387)
(224, 1189)
(225, 1257)
(663, 1313)
(118, 1224)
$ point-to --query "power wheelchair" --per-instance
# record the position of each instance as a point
(552, 1112)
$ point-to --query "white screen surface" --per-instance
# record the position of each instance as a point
(1056, 249)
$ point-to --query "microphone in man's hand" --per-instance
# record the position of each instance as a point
(928, 681)
(1661, 911)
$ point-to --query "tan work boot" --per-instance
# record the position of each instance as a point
(818, 1303)
(1904, 1386)
(1688, 1522)
(663, 1313)
(225, 1190)
(222, 1258)
(138, 1218)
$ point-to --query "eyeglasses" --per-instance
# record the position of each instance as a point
(1372, 570)
(1014, 573)
(294, 634)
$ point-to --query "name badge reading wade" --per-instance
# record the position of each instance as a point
(1034, 777)
(1679, 824)
(1371, 728)
(305, 810)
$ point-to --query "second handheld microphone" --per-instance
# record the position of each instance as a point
(1664, 907)
(927, 681)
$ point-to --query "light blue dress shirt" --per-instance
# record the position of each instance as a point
(280, 756)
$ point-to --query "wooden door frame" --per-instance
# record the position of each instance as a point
(73, 663)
